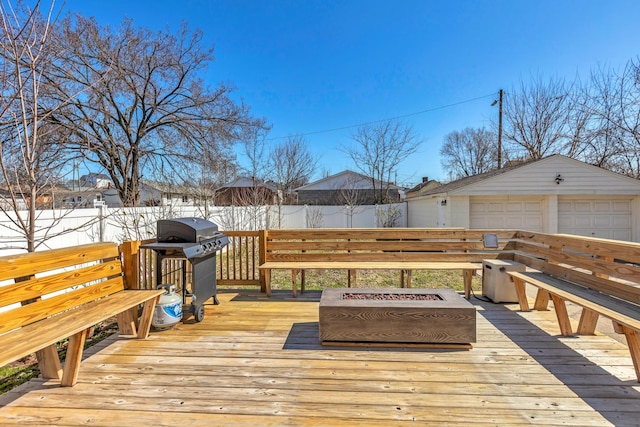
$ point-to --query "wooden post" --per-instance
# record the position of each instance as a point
(262, 258)
(131, 263)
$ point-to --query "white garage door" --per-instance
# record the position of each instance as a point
(507, 212)
(595, 217)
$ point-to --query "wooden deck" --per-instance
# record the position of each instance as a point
(257, 361)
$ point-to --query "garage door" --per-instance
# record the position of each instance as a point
(513, 213)
(595, 217)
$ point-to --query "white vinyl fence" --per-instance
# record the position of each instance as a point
(64, 228)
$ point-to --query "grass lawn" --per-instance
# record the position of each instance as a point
(321, 279)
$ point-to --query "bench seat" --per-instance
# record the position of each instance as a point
(406, 267)
(63, 293)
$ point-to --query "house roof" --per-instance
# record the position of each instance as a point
(423, 187)
(248, 182)
(341, 180)
(468, 180)
(471, 183)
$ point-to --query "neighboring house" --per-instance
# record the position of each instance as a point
(83, 198)
(246, 191)
(154, 194)
(425, 186)
(556, 194)
(345, 188)
(95, 180)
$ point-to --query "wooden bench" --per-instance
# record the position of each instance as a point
(403, 249)
(600, 276)
(51, 295)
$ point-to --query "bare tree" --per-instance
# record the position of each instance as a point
(251, 193)
(314, 217)
(469, 152)
(350, 194)
(537, 118)
(292, 165)
(32, 157)
(614, 103)
(151, 106)
(378, 152)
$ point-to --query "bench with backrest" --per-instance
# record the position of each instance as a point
(353, 249)
(601, 276)
(48, 296)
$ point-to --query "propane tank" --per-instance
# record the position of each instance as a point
(168, 310)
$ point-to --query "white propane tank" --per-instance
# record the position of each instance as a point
(168, 310)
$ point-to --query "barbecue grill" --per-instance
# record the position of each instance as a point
(196, 241)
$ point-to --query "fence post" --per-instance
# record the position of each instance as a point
(131, 263)
(262, 257)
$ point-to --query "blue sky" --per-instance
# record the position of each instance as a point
(310, 67)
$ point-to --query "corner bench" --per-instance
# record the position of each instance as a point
(601, 276)
(353, 249)
(51, 295)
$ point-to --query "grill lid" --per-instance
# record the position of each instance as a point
(186, 230)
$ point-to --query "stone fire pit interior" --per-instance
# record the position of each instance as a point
(427, 317)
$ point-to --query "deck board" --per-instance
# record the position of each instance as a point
(258, 361)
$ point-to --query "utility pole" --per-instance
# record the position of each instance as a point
(500, 130)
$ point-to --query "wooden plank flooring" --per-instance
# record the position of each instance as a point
(258, 361)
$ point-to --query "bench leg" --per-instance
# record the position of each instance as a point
(633, 341)
(294, 284)
(267, 282)
(563, 316)
(522, 293)
(302, 281)
(405, 278)
(467, 279)
(146, 318)
(588, 322)
(128, 321)
(542, 300)
(49, 363)
(73, 359)
(352, 278)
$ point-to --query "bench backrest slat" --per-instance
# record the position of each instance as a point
(27, 264)
(388, 233)
(37, 285)
(374, 245)
(381, 257)
(607, 266)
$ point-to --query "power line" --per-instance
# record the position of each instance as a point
(442, 107)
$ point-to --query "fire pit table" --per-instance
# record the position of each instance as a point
(422, 317)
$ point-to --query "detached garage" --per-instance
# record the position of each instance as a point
(555, 195)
